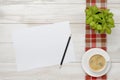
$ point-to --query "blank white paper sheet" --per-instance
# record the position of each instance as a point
(42, 46)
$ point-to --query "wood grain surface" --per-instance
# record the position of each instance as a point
(19, 14)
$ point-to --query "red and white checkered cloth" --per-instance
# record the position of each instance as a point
(93, 39)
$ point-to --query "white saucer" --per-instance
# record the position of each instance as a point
(86, 57)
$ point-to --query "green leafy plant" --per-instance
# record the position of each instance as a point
(101, 20)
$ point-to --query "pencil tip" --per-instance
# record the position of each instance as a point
(60, 67)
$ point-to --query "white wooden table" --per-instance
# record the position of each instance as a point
(19, 14)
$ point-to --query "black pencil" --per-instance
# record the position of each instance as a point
(65, 51)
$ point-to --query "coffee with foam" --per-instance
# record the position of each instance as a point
(97, 62)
